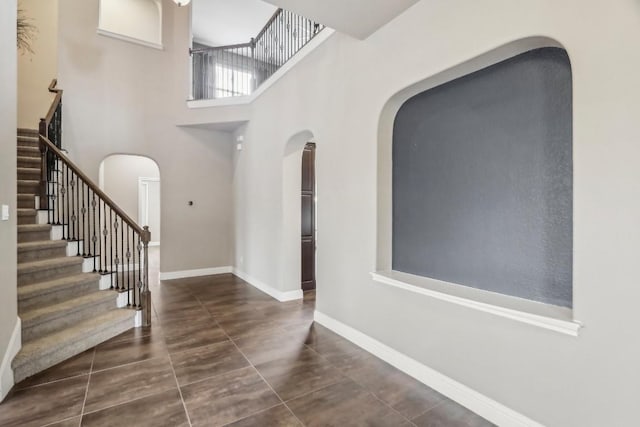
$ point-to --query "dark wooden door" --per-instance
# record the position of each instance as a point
(309, 217)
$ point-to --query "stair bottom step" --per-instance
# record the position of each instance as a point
(45, 352)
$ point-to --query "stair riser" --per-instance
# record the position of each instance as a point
(47, 274)
(26, 219)
(31, 332)
(49, 359)
(28, 162)
(24, 141)
(29, 203)
(28, 152)
(28, 132)
(28, 188)
(39, 254)
(30, 175)
(33, 236)
(58, 296)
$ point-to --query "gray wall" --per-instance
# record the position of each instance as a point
(125, 98)
(482, 180)
(8, 124)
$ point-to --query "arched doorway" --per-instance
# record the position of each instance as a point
(133, 182)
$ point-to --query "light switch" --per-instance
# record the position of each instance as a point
(5, 212)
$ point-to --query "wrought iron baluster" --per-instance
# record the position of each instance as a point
(139, 283)
(94, 236)
(128, 254)
(116, 260)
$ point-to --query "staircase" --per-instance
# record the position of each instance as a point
(62, 308)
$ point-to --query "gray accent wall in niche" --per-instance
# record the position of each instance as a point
(483, 180)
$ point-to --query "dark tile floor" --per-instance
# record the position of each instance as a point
(223, 353)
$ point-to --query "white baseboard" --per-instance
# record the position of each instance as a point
(269, 290)
(6, 372)
(171, 275)
(477, 402)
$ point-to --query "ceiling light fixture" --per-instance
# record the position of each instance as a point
(182, 2)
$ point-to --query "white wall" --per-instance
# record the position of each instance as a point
(338, 93)
(224, 22)
(138, 19)
(8, 230)
(125, 98)
(37, 69)
(119, 178)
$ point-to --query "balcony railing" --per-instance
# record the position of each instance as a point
(237, 70)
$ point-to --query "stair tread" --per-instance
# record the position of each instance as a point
(27, 228)
(25, 196)
(28, 181)
(39, 315)
(28, 169)
(50, 286)
(28, 137)
(26, 211)
(49, 344)
(26, 267)
(27, 131)
(43, 244)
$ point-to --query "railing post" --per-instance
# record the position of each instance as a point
(145, 295)
(44, 199)
(254, 77)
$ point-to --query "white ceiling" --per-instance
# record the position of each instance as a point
(358, 18)
(223, 22)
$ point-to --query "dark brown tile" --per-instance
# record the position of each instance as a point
(111, 354)
(332, 347)
(245, 324)
(158, 410)
(205, 362)
(278, 416)
(176, 328)
(299, 374)
(344, 404)
(227, 398)
(192, 314)
(78, 365)
(44, 404)
(187, 335)
(132, 333)
(129, 382)
(402, 392)
(451, 414)
(272, 345)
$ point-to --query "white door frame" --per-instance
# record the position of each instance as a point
(143, 202)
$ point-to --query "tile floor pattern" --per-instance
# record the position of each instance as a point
(221, 353)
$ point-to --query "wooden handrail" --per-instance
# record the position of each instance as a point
(266, 26)
(230, 46)
(56, 101)
(144, 233)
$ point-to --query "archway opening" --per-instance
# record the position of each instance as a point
(133, 182)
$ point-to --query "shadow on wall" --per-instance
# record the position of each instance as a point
(133, 182)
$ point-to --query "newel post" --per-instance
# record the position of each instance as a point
(145, 295)
(44, 200)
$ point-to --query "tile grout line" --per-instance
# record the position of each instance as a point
(184, 404)
(249, 361)
(86, 393)
(442, 402)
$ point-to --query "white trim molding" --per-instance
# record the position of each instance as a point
(553, 318)
(6, 372)
(133, 40)
(482, 405)
(281, 296)
(172, 275)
